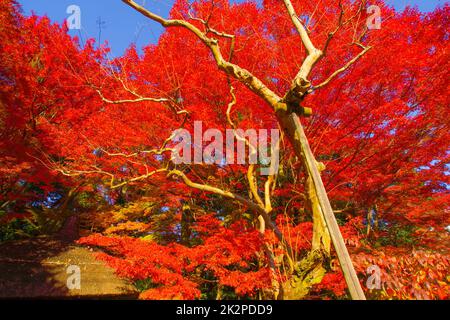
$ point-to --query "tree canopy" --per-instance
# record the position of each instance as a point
(89, 135)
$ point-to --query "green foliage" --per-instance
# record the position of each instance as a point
(143, 285)
(16, 229)
(87, 201)
(341, 219)
(397, 235)
(47, 221)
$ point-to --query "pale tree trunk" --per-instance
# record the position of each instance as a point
(310, 270)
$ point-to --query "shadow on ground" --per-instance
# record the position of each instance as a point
(37, 268)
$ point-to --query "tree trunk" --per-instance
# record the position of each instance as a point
(291, 125)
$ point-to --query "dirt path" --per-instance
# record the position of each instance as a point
(38, 268)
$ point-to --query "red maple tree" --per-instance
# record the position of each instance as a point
(69, 114)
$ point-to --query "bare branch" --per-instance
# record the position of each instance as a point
(140, 99)
(230, 195)
(210, 29)
(112, 184)
(339, 71)
(331, 34)
(241, 74)
(300, 28)
(300, 83)
(342, 23)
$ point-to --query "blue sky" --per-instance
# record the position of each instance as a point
(122, 26)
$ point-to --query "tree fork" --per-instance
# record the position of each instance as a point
(294, 129)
